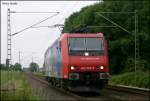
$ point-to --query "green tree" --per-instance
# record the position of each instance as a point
(17, 67)
(121, 43)
(2, 67)
(34, 67)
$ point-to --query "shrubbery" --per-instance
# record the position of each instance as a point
(142, 79)
(16, 67)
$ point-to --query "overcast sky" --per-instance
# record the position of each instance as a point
(33, 42)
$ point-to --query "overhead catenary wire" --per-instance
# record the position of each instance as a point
(56, 25)
(113, 22)
(69, 10)
(32, 12)
(64, 16)
(117, 12)
(35, 24)
(99, 26)
(32, 26)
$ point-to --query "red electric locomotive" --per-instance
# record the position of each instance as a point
(78, 62)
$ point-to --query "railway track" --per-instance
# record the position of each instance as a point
(127, 93)
(111, 93)
(129, 89)
(75, 96)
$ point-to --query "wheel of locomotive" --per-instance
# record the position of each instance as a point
(55, 82)
(46, 78)
(59, 83)
(63, 85)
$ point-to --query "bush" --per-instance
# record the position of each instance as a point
(142, 79)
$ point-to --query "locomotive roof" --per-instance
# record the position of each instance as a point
(81, 35)
(84, 34)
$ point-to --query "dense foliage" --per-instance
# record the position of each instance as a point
(121, 43)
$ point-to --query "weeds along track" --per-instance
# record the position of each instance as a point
(110, 93)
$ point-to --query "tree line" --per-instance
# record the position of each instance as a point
(33, 67)
(121, 42)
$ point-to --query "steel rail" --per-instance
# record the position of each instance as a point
(129, 89)
(123, 88)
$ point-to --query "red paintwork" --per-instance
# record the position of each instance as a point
(84, 63)
(88, 61)
(65, 56)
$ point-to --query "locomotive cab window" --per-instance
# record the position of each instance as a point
(77, 46)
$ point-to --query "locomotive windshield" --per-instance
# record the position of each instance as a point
(86, 45)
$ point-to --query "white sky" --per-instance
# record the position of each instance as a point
(34, 41)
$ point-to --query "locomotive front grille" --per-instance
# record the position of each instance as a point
(88, 79)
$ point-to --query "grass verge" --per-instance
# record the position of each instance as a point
(39, 73)
(128, 79)
(15, 87)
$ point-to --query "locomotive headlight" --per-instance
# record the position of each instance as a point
(101, 67)
(72, 68)
(86, 54)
